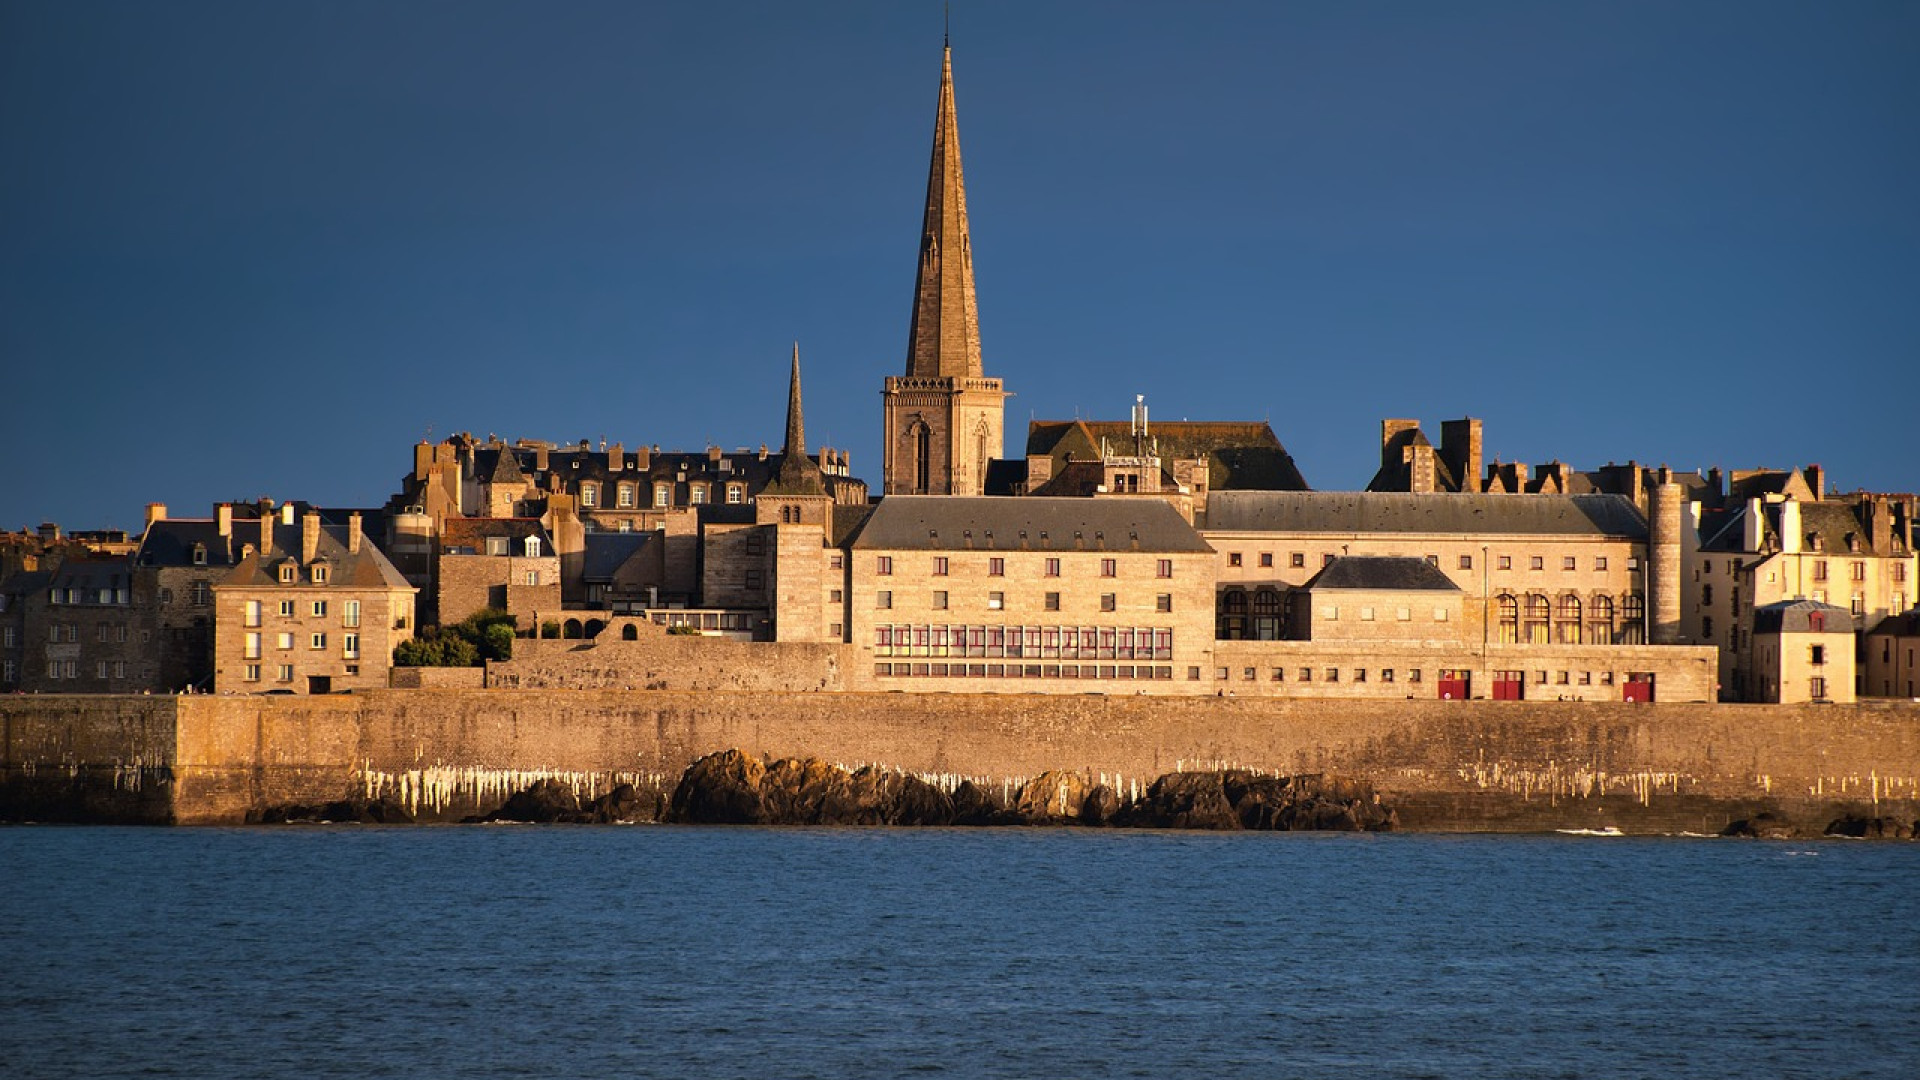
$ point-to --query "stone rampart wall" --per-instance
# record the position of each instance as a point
(1448, 765)
(657, 661)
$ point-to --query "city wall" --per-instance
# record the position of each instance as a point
(1448, 766)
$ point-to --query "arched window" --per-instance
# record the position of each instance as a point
(630, 632)
(1633, 619)
(1509, 619)
(1233, 615)
(1538, 612)
(1266, 615)
(1600, 620)
(1567, 627)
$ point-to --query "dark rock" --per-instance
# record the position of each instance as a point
(1871, 828)
(975, 805)
(917, 802)
(1765, 825)
(623, 803)
(1184, 800)
(545, 802)
(1100, 807)
(720, 789)
(357, 811)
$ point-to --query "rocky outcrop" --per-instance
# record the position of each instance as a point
(1871, 828)
(734, 788)
(1765, 825)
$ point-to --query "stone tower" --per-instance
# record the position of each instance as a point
(944, 418)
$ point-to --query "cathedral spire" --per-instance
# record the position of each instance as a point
(798, 475)
(945, 337)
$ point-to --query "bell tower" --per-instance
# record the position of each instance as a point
(944, 418)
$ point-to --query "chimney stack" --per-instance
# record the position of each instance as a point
(309, 535)
(353, 533)
(266, 533)
(286, 514)
(223, 518)
(156, 512)
(617, 458)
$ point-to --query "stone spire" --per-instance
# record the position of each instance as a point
(798, 474)
(945, 338)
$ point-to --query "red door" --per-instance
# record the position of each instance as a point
(1509, 685)
(1454, 685)
(1638, 687)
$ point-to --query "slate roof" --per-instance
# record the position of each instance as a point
(1832, 523)
(1906, 624)
(473, 532)
(171, 542)
(367, 569)
(1792, 617)
(985, 523)
(607, 552)
(90, 576)
(1384, 573)
(1444, 512)
(1241, 455)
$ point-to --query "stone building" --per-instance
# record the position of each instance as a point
(1891, 649)
(1800, 651)
(308, 608)
(503, 564)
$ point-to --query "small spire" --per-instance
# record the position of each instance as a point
(796, 422)
(797, 475)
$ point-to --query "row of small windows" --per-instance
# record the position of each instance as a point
(942, 566)
(625, 495)
(935, 670)
(349, 611)
(1038, 642)
(1536, 620)
(116, 595)
(349, 644)
(70, 669)
(996, 601)
(1297, 560)
(57, 632)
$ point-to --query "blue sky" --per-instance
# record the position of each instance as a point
(254, 249)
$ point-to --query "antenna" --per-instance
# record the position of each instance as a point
(946, 25)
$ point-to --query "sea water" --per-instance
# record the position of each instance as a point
(350, 951)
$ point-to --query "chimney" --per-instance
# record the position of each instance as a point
(223, 517)
(713, 453)
(642, 458)
(1395, 434)
(1880, 525)
(616, 458)
(286, 514)
(1817, 481)
(540, 458)
(156, 512)
(422, 460)
(1790, 537)
(353, 533)
(309, 535)
(1460, 449)
(266, 533)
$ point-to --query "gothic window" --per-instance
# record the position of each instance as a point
(922, 460)
(1266, 615)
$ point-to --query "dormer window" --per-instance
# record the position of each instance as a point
(734, 494)
(286, 573)
(589, 495)
(319, 573)
(532, 545)
(697, 494)
(663, 495)
(626, 496)
(496, 545)
(199, 554)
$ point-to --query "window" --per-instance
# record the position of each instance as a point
(1326, 560)
(199, 554)
(1109, 567)
(1569, 562)
(1537, 562)
(883, 565)
(1366, 614)
(286, 573)
(1403, 614)
(1333, 674)
(318, 641)
(1706, 595)
(320, 608)
(351, 616)
(697, 495)
(1306, 674)
(1233, 558)
(835, 562)
(1266, 559)
(939, 566)
(751, 579)
(1164, 568)
(589, 495)
(350, 646)
(6, 637)
(530, 547)
(286, 609)
(1506, 562)
(1333, 613)
(1359, 674)
(1107, 602)
(734, 494)
(996, 567)
(1899, 571)
(532, 577)
(1466, 563)
(1439, 614)
(1820, 570)
(1163, 602)
(1817, 686)
(1053, 601)
(285, 673)
(1053, 567)
(623, 496)
(253, 613)
(1386, 674)
(1600, 562)
(100, 633)
(1859, 604)
(284, 641)
(662, 495)
(833, 596)
(1859, 571)
(1297, 560)
(883, 599)
(253, 672)
(939, 600)
(1706, 627)
(252, 646)
(996, 600)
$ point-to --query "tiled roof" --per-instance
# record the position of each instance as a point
(983, 523)
(1440, 513)
(1241, 455)
(1795, 617)
(471, 532)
